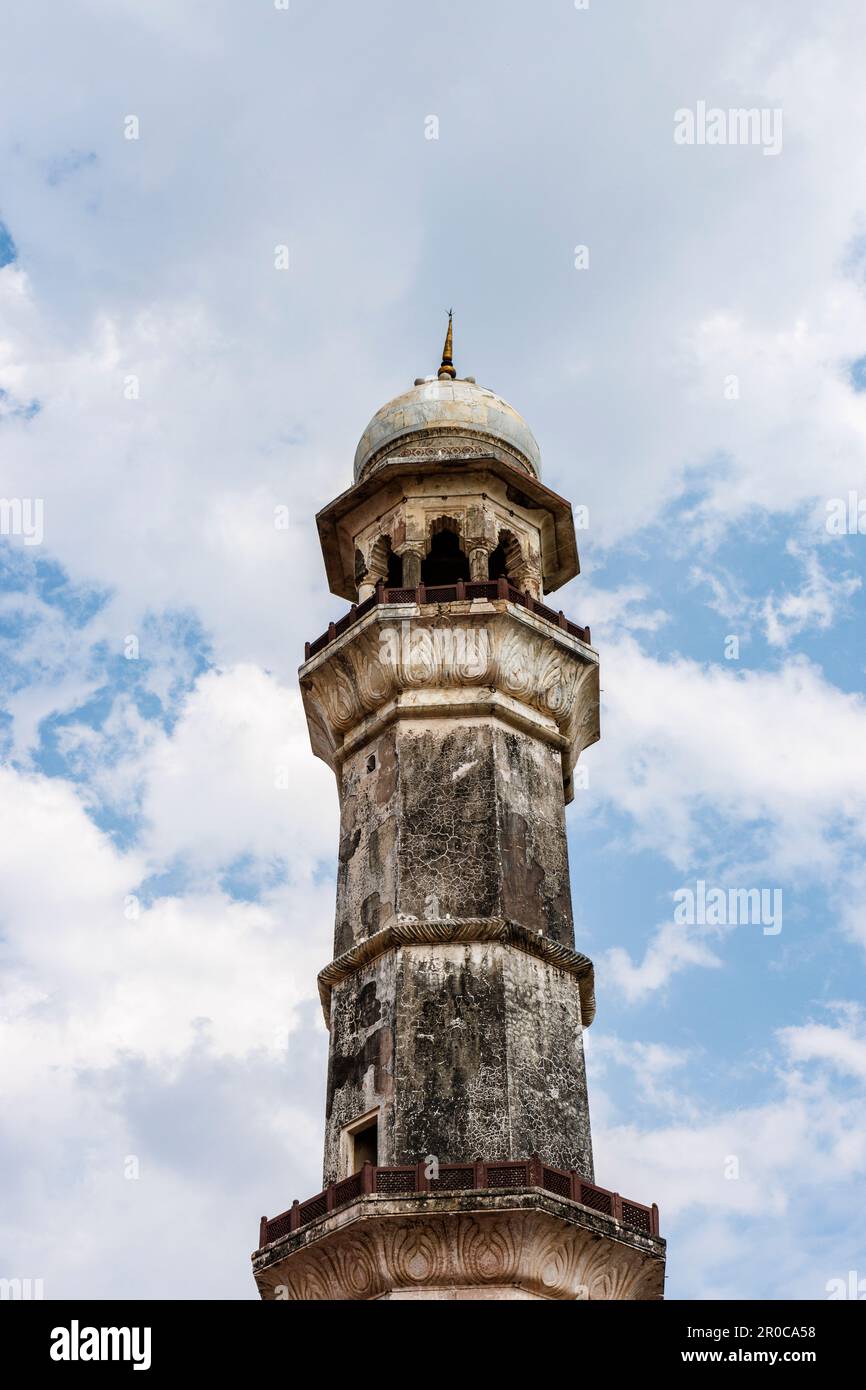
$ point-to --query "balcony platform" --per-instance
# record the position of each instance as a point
(460, 592)
(497, 1230)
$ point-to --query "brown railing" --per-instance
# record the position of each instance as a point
(501, 1174)
(445, 593)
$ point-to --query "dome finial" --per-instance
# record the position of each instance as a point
(447, 367)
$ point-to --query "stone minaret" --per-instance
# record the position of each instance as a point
(452, 704)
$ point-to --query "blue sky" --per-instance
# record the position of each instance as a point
(163, 388)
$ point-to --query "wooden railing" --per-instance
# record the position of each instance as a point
(459, 592)
(407, 1180)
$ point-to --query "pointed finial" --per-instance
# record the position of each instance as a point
(447, 368)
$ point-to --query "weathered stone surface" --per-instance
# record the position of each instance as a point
(448, 835)
(526, 1244)
(489, 1058)
(369, 821)
(490, 660)
(467, 1050)
(361, 1058)
(444, 820)
(470, 1048)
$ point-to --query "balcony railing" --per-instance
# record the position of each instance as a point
(407, 1180)
(459, 592)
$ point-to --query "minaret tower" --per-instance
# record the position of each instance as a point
(452, 704)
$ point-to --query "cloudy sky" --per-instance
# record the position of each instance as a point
(696, 378)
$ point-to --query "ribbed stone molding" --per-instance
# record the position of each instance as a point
(475, 929)
(524, 1244)
(480, 658)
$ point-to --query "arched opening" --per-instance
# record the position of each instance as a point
(496, 565)
(385, 564)
(506, 559)
(394, 578)
(445, 562)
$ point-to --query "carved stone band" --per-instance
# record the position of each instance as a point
(525, 1244)
(485, 657)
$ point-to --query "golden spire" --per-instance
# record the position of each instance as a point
(447, 368)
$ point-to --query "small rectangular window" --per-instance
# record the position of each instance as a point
(365, 1145)
(359, 1143)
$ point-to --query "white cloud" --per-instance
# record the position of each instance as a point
(746, 779)
(774, 753)
(671, 948)
(656, 1072)
(627, 608)
(814, 606)
(749, 1188)
(189, 1037)
(91, 979)
(237, 777)
(842, 1046)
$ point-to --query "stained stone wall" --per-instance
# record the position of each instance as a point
(361, 1058)
(534, 886)
(369, 817)
(488, 1057)
(455, 820)
(469, 1050)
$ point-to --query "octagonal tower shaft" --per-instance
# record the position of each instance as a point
(452, 715)
(452, 704)
(463, 1033)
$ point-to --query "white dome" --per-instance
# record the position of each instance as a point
(440, 411)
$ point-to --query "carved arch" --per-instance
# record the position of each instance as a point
(507, 560)
(384, 563)
(445, 562)
(444, 523)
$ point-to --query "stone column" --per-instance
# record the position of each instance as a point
(479, 563)
(480, 541)
(527, 578)
(365, 582)
(412, 556)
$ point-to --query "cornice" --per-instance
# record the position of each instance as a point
(415, 661)
(480, 929)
